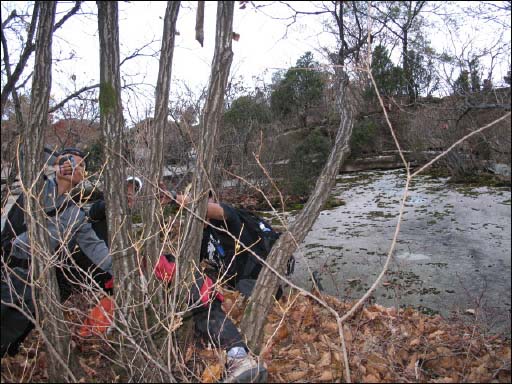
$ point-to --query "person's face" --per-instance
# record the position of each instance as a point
(71, 174)
(131, 195)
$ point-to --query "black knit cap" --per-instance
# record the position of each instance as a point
(76, 152)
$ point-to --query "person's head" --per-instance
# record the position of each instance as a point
(71, 164)
(134, 185)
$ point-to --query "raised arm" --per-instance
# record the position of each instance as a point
(213, 212)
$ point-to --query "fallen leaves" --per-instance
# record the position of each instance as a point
(326, 376)
(325, 360)
(282, 332)
(435, 334)
(383, 345)
(295, 375)
(212, 373)
(370, 315)
(371, 379)
(330, 326)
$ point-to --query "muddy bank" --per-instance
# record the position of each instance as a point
(453, 251)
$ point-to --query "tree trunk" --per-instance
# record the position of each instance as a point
(127, 280)
(200, 22)
(210, 122)
(153, 169)
(48, 312)
(152, 217)
(262, 299)
(407, 66)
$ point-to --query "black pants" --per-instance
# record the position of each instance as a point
(212, 323)
(77, 272)
(15, 326)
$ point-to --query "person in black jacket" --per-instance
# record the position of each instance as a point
(210, 319)
(225, 245)
(97, 215)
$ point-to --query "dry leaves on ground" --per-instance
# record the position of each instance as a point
(383, 345)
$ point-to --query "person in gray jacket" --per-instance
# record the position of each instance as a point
(66, 221)
(68, 228)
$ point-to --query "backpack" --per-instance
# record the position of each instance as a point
(258, 228)
(14, 225)
(262, 236)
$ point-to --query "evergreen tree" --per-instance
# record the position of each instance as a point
(300, 89)
(388, 77)
(461, 85)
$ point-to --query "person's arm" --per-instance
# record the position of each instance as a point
(214, 211)
(93, 247)
(97, 211)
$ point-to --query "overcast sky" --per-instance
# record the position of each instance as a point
(262, 49)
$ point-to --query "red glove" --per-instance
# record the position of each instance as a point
(164, 269)
(99, 318)
(109, 284)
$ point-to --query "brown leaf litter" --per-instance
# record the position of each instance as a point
(383, 345)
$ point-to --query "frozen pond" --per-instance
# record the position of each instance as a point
(452, 255)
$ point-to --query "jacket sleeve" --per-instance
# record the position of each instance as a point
(93, 247)
(97, 211)
(232, 219)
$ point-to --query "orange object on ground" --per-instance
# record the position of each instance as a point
(99, 318)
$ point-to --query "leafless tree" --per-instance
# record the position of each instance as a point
(58, 341)
(128, 282)
(210, 125)
(30, 45)
(261, 300)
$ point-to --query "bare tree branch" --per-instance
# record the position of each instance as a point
(27, 51)
(71, 12)
(17, 105)
(29, 48)
(72, 96)
(11, 16)
(137, 53)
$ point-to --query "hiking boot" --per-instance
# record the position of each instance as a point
(245, 370)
